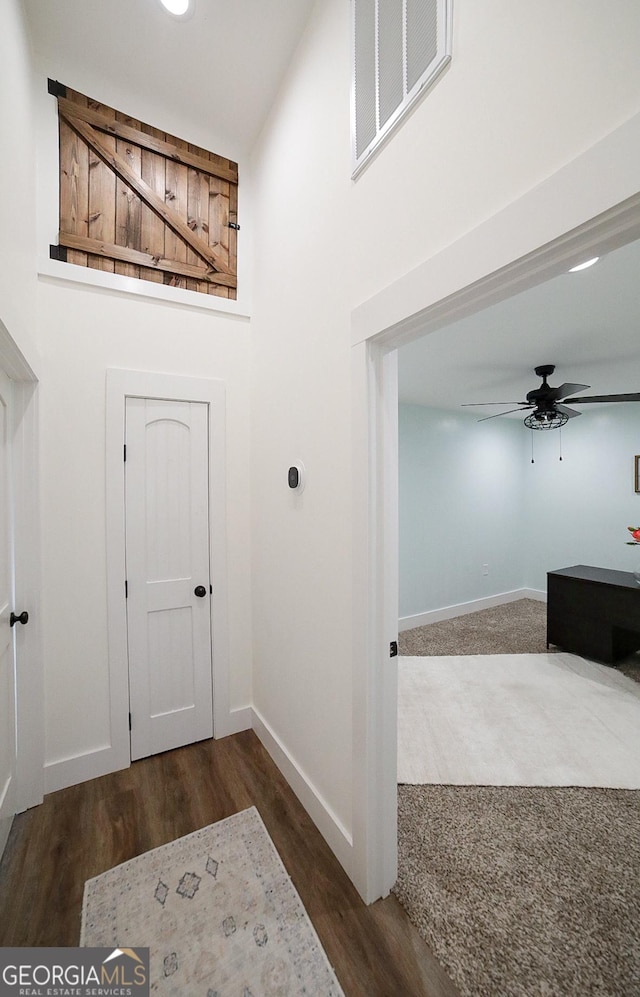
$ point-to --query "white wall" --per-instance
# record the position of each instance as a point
(17, 180)
(82, 333)
(469, 496)
(300, 401)
(530, 87)
(578, 510)
(461, 497)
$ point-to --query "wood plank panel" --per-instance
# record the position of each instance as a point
(219, 218)
(128, 203)
(233, 234)
(189, 255)
(202, 212)
(74, 185)
(102, 197)
(136, 258)
(198, 213)
(153, 227)
(82, 831)
(176, 190)
(172, 148)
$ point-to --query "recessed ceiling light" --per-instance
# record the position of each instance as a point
(179, 8)
(581, 266)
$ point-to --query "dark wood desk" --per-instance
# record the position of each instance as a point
(594, 612)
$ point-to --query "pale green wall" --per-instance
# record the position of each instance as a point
(469, 495)
(461, 498)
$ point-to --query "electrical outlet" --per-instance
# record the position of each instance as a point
(485, 569)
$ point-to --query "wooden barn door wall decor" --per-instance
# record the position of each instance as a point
(138, 202)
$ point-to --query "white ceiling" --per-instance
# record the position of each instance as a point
(222, 67)
(587, 324)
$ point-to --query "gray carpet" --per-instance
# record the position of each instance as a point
(514, 628)
(525, 892)
(521, 892)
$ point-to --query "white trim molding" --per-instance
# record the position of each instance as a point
(329, 825)
(236, 721)
(55, 270)
(375, 621)
(92, 764)
(462, 608)
(27, 576)
(147, 384)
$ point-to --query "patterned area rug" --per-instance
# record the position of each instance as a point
(218, 912)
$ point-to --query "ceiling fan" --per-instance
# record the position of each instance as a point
(544, 406)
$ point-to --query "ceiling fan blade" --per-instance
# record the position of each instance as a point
(569, 412)
(505, 413)
(567, 389)
(466, 404)
(633, 396)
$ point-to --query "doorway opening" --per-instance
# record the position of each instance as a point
(530, 242)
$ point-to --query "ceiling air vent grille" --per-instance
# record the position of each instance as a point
(399, 49)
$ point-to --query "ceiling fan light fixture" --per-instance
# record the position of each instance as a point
(546, 420)
(585, 265)
(178, 8)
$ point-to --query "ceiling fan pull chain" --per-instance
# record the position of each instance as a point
(560, 436)
(532, 460)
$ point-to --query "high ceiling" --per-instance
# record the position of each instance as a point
(221, 68)
(586, 323)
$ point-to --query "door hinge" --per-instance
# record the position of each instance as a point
(234, 225)
(125, 452)
(56, 89)
(126, 589)
(393, 649)
(210, 589)
(129, 721)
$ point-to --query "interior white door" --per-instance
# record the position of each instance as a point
(7, 669)
(168, 587)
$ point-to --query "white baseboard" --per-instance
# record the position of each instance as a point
(237, 720)
(93, 764)
(5, 830)
(90, 765)
(462, 608)
(538, 594)
(332, 830)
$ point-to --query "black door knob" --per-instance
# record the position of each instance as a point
(23, 618)
(200, 591)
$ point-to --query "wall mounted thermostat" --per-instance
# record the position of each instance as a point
(295, 476)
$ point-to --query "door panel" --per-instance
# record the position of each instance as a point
(7, 673)
(170, 639)
(167, 552)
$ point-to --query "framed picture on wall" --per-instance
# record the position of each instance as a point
(636, 476)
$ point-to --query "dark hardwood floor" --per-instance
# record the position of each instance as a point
(80, 832)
